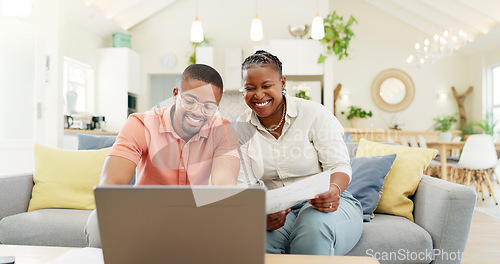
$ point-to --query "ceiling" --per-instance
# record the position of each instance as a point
(475, 17)
(128, 13)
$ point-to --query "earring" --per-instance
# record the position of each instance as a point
(284, 91)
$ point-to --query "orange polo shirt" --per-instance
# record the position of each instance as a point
(163, 158)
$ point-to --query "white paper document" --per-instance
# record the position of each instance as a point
(285, 197)
(80, 256)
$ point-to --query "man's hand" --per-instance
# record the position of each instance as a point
(327, 202)
(277, 220)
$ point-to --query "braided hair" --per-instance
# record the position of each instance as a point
(264, 58)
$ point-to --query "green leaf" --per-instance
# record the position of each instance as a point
(329, 33)
(336, 48)
(351, 21)
(321, 58)
(334, 24)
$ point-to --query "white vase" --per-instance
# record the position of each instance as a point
(355, 122)
(445, 136)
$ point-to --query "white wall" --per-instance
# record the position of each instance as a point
(16, 154)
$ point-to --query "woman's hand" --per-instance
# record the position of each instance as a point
(327, 202)
(277, 220)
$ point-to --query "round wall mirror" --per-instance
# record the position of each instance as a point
(393, 90)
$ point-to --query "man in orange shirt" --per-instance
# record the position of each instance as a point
(185, 144)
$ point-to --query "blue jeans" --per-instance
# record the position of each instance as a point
(309, 231)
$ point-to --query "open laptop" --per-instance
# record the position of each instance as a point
(166, 224)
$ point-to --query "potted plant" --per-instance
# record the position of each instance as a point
(488, 124)
(337, 36)
(301, 91)
(443, 124)
(469, 129)
(356, 114)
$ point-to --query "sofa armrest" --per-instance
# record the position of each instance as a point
(445, 210)
(15, 194)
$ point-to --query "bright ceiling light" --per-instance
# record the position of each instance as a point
(256, 30)
(197, 31)
(317, 28)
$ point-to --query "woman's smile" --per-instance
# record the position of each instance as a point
(262, 105)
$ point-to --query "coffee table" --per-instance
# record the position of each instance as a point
(39, 255)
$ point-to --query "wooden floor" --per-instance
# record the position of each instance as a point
(483, 244)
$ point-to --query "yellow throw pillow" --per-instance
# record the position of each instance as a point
(65, 178)
(403, 178)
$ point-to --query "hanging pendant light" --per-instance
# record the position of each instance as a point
(197, 31)
(256, 31)
(318, 28)
(196, 28)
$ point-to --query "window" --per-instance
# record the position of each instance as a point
(78, 78)
(493, 98)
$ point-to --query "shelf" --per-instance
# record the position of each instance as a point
(381, 134)
(85, 131)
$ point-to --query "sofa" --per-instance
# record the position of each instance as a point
(442, 213)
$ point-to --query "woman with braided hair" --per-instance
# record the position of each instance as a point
(285, 139)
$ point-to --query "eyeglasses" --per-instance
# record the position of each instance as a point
(190, 104)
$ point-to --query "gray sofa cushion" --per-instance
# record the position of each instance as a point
(86, 141)
(352, 147)
(15, 193)
(45, 227)
(389, 238)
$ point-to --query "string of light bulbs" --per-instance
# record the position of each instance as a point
(440, 46)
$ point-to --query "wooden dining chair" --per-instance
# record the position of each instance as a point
(434, 167)
(455, 153)
(413, 142)
(403, 141)
(421, 141)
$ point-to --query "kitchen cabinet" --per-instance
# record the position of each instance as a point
(298, 56)
(205, 55)
(118, 74)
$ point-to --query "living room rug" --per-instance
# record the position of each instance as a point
(491, 211)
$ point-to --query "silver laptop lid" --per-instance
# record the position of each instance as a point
(165, 224)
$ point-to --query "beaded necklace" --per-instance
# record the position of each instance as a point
(281, 121)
